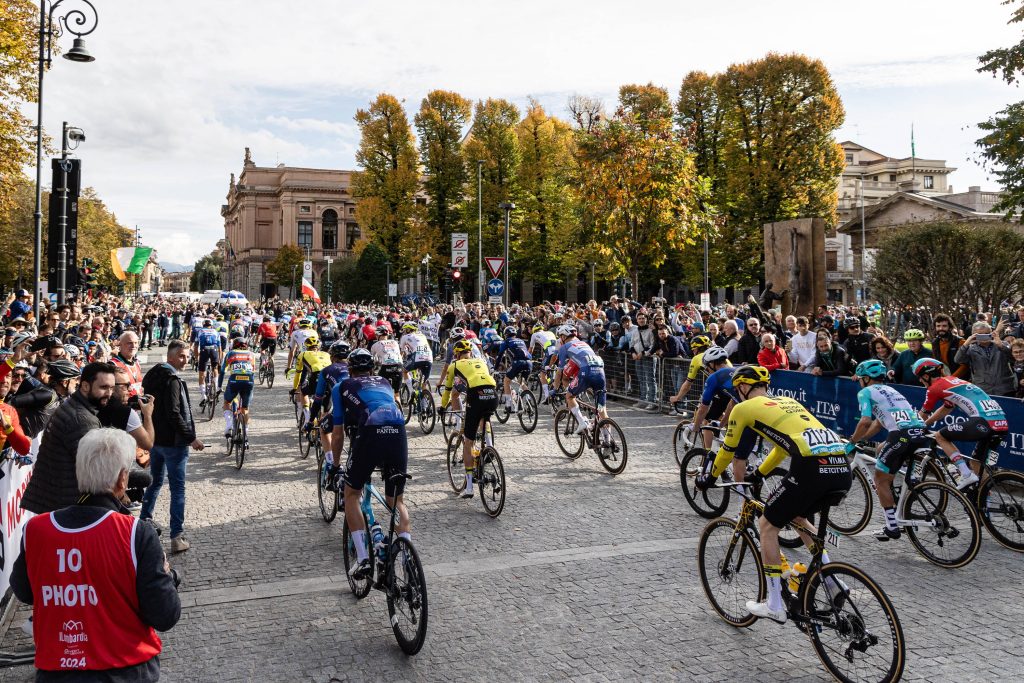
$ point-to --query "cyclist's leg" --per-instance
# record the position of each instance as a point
(357, 474)
(229, 395)
(395, 460)
(972, 429)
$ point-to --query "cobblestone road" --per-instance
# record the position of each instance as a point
(584, 575)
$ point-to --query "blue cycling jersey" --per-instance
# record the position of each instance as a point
(366, 400)
(580, 353)
(207, 338)
(516, 349)
(718, 384)
(331, 376)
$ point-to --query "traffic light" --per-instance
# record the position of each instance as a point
(457, 276)
(618, 287)
(629, 288)
(87, 274)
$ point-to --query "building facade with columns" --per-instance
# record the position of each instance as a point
(268, 207)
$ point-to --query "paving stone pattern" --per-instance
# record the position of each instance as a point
(584, 576)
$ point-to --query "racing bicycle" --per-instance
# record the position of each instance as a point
(419, 401)
(524, 406)
(266, 371)
(238, 439)
(603, 436)
(489, 473)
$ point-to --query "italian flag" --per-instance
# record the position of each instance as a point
(308, 290)
(129, 260)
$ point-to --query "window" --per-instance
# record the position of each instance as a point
(329, 222)
(929, 182)
(831, 261)
(306, 234)
(352, 236)
(849, 157)
(892, 177)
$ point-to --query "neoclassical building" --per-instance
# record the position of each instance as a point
(272, 206)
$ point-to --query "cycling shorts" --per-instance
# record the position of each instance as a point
(393, 374)
(897, 447)
(519, 367)
(481, 402)
(974, 428)
(383, 446)
(243, 390)
(309, 380)
(718, 405)
(803, 491)
(594, 379)
(223, 343)
(208, 355)
(268, 344)
(423, 366)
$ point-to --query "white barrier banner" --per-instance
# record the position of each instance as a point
(12, 517)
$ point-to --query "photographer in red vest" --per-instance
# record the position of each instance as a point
(126, 359)
(97, 578)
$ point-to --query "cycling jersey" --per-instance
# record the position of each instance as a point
(697, 364)
(416, 348)
(329, 377)
(365, 401)
(474, 351)
(309, 363)
(971, 399)
(545, 341)
(207, 338)
(515, 348)
(579, 353)
(299, 337)
(239, 366)
(221, 327)
(268, 331)
(718, 385)
(889, 407)
(489, 337)
(472, 371)
(386, 352)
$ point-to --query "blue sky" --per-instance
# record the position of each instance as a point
(179, 89)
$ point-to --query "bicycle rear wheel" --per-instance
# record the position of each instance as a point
(456, 463)
(610, 445)
(270, 374)
(328, 500)
(303, 442)
(360, 587)
(565, 426)
(528, 411)
(708, 504)
(947, 530)
(854, 512)
(240, 432)
(1001, 503)
(426, 412)
(730, 571)
(492, 483)
(860, 638)
(407, 596)
(403, 395)
(448, 423)
(502, 412)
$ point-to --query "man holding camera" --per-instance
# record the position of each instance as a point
(989, 357)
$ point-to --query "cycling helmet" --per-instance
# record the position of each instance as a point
(510, 332)
(750, 374)
(462, 346)
(207, 323)
(238, 341)
(340, 349)
(360, 359)
(457, 333)
(312, 342)
(72, 351)
(913, 334)
(538, 328)
(266, 318)
(928, 366)
(598, 323)
(851, 322)
(409, 327)
(486, 322)
(63, 369)
(470, 334)
(716, 354)
(699, 343)
(873, 368)
(220, 318)
(566, 331)
(236, 334)
(305, 324)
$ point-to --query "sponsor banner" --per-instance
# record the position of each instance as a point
(833, 400)
(13, 482)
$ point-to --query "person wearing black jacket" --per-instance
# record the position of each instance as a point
(830, 359)
(174, 431)
(749, 344)
(111, 538)
(34, 401)
(857, 344)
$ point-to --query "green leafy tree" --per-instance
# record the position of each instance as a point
(19, 22)
(17, 233)
(365, 280)
(207, 272)
(286, 265)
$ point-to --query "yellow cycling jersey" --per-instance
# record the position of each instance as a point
(697, 364)
(473, 372)
(786, 424)
(314, 361)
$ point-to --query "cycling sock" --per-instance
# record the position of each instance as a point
(824, 557)
(469, 481)
(406, 535)
(359, 539)
(773, 573)
(890, 518)
(578, 414)
(227, 420)
(961, 464)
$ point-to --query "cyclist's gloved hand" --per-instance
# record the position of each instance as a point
(850, 447)
(756, 480)
(705, 481)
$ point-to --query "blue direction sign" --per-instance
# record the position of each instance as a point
(495, 287)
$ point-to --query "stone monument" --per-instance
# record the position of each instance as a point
(794, 260)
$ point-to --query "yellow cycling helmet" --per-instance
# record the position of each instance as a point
(751, 374)
(461, 346)
(538, 328)
(913, 334)
(313, 342)
(699, 343)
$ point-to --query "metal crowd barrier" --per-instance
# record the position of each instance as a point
(625, 383)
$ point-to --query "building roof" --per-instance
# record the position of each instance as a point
(925, 200)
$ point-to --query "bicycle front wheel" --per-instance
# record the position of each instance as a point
(941, 524)
(240, 433)
(492, 483)
(427, 413)
(681, 440)
(730, 571)
(857, 634)
(565, 428)
(270, 374)
(360, 587)
(854, 512)
(456, 463)
(328, 500)
(610, 444)
(407, 596)
(708, 504)
(1001, 503)
(528, 411)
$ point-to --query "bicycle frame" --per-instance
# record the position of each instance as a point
(865, 463)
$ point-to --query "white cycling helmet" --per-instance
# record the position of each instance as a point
(566, 331)
(714, 355)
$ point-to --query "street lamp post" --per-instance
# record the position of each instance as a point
(480, 228)
(78, 22)
(507, 207)
(75, 135)
(330, 287)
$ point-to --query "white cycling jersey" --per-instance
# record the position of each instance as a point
(545, 341)
(300, 336)
(386, 352)
(415, 347)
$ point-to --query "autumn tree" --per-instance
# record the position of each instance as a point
(639, 178)
(19, 22)
(286, 267)
(388, 179)
(99, 232)
(17, 233)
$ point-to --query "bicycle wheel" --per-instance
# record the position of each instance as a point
(730, 571)
(943, 526)
(262, 375)
(682, 440)
(456, 463)
(270, 373)
(403, 395)
(427, 413)
(241, 432)
(211, 404)
(448, 423)
(533, 382)
(708, 504)
(610, 445)
(857, 634)
(502, 412)
(360, 587)
(328, 500)
(313, 444)
(407, 596)
(231, 442)
(407, 409)
(854, 512)
(303, 443)
(492, 483)
(1001, 504)
(570, 443)
(528, 412)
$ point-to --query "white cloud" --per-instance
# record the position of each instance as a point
(179, 89)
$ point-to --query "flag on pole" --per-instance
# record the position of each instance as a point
(129, 260)
(308, 290)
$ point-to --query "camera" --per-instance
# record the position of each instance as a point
(136, 402)
(983, 337)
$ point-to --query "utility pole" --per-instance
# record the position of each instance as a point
(480, 229)
(507, 207)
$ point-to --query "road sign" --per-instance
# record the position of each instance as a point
(460, 249)
(393, 289)
(495, 287)
(495, 299)
(307, 270)
(460, 260)
(494, 264)
(705, 301)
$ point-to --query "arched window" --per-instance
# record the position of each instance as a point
(353, 236)
(329, 222)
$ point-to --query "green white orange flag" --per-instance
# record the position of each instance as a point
(129, 260)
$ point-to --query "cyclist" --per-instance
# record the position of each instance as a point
(882, 407)
(584, 369)
(267, 332)
(519, 360)
(481, 400)
(239, 368)
(490, 340)
(415, 349)
(698, 345)
(334, 373)
(986, 422)
(206, 347)
(365, 404)
(818, 467)
(717, 398)
(222, 332)
(298, 338)
(307, 369)
(238, 325)
(195, 325)
(388, 356)
(547, 344)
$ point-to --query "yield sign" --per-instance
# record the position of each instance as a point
(495, 264)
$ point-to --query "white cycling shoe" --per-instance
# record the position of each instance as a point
(966, 480)
(761, 610)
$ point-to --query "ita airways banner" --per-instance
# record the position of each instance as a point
(129, 260)
(308, 290)
(834, 401)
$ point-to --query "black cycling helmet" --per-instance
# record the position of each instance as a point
(63, 369)
(851, 322)
(510, 332)
(235, 334)
(360, 359)
(340, 349)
